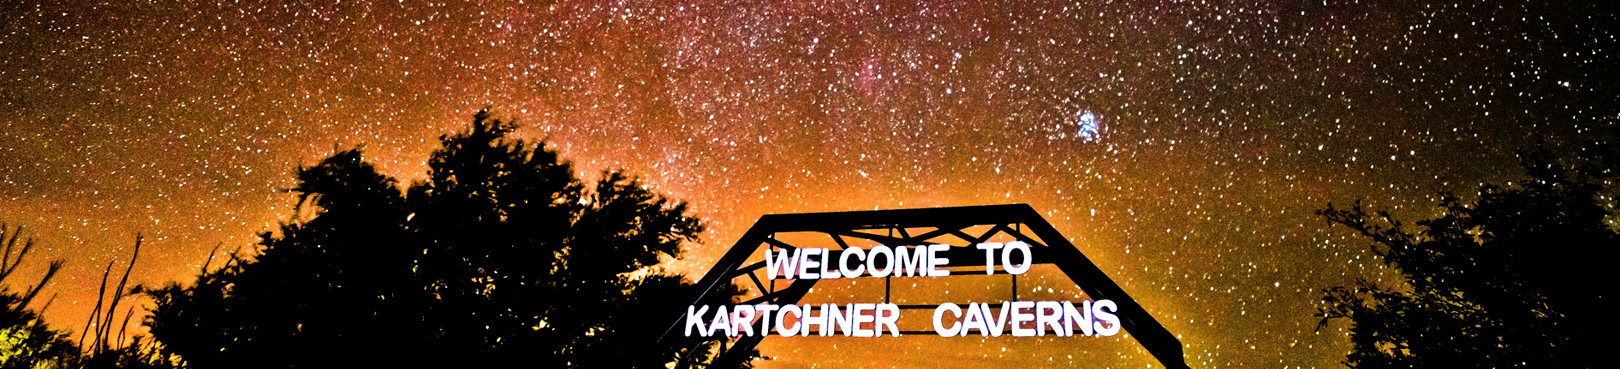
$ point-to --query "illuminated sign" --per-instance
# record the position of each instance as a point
(923, 244)
(1062, 318)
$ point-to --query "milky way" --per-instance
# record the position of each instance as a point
(1182, 145)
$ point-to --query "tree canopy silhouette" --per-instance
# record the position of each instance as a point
(502, 255)
(1512, 280)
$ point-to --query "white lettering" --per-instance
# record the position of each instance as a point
(694, 318)
(973, 318)
(910, 266)
(1019, 317)
(871, 260)
(826, 265)
(990, 256)
(742, 320)
(1048, 314)
(935, 262)
(858, 315)
(836, 320)
(890, 320)
(860, 266)
(722, 320)
(781, 321)
(939, 312)
(1006, 257)
(809, 320)
(1000, 323)
(1105, 316)
(765, 317)
(808, 263)
(783, 260)
(1071, 317)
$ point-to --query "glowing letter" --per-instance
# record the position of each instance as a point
(765, 317)
(1071, 316)
(1102, 316)
(781, 322)
(843, 262)
(1006, 257)
(783, 260)
(742, 320)
(973, 318)
(1019, 317)
(935, 262)
(1000, 323)
(694, 318)
(826, 265)
(891, 320)
(809, 320)
(835, 319)
(910, 266)
(939, 312)
(989, 256)
(1044, 319)
(858, 314)
(722, 320)
(808, 263)
(871, 261)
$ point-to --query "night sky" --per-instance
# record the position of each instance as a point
(1183, 145)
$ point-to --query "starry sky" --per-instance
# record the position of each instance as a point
(1183, 145)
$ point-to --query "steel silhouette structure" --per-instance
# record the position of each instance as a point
(1019, 221)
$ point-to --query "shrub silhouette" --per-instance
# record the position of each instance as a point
(25, 340)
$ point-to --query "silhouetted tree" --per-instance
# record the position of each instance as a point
(326, 287)
(501, 256)
(1513, 280)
